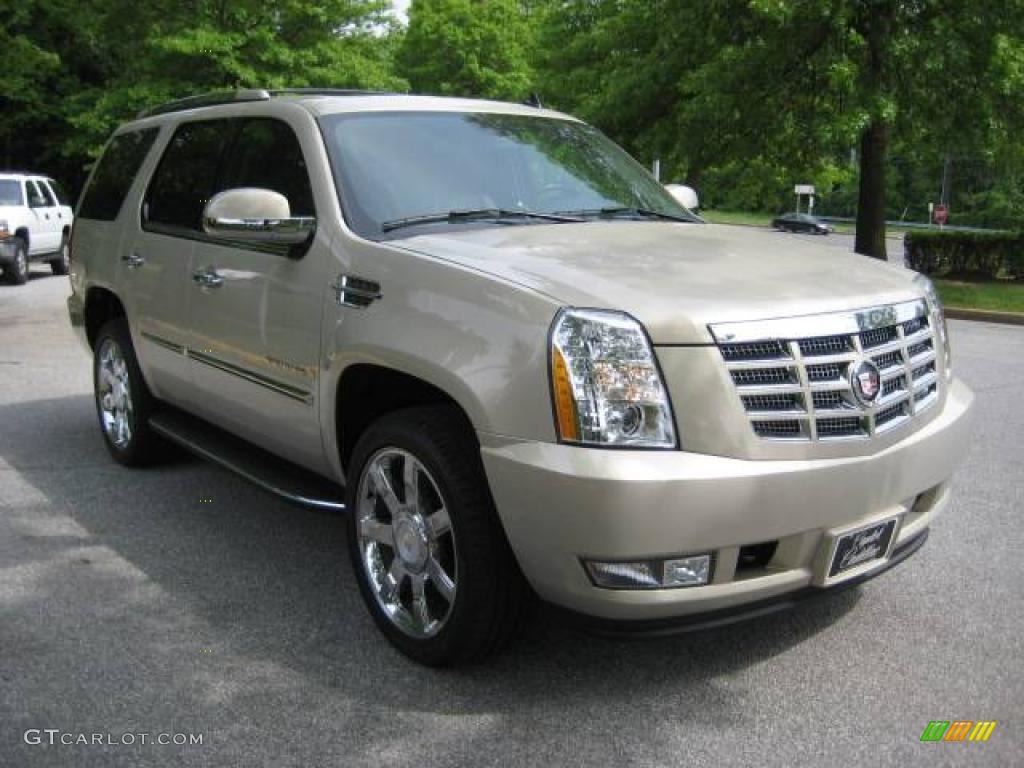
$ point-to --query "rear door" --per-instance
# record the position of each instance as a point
(255, 311)
(45, 230)
(64, 215)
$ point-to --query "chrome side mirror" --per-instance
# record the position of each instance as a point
(684, 195)
(255, 215)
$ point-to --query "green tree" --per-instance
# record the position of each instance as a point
(73, 71)
(786, 83)
(210, 45)
(468, 48)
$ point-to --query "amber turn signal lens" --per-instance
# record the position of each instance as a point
(565, 405)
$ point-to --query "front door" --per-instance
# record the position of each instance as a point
(255, 311)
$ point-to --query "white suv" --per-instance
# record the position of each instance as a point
(35, 224)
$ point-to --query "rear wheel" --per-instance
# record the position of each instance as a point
(123, 401)
(18, 271)
(430, 556)
(62, 264)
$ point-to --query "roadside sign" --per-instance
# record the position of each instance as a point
(941, 213)
(804, 189)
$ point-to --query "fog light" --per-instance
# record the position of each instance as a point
(643, 575)
(690, 571)
(687, 571)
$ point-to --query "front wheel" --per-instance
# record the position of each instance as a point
(18, 271)
(428, 550)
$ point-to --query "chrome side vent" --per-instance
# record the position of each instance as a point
(355, 291)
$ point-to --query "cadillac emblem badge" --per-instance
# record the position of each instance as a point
(865, 381)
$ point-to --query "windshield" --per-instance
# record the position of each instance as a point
(398, 172)
(10, 192)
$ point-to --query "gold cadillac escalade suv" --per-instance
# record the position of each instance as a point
(518, 365)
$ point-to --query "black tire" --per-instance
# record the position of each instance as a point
(142, 446)
(62, 264)
(18, 269)
(490, 589)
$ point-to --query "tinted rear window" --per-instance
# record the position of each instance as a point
(35, 197)
(44, 190)
(113, 177)
(10, 192)
(187, 175)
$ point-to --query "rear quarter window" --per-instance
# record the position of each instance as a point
(113, 177)
(58, 190)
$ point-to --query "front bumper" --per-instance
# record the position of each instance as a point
(7, 251)
(743, 612)
(76, 314)
(560, 504)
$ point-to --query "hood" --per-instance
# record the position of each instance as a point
(674, 278)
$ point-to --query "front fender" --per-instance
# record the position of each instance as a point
(481, 340)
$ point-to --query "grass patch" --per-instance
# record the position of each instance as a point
(998, 296)
(765, 220)
(738, 217)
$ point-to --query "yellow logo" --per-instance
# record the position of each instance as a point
(958, 730)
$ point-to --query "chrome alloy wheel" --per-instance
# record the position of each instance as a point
(406, 542)
(113, 394)
(21, 262)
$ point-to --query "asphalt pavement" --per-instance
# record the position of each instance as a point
(181, 600)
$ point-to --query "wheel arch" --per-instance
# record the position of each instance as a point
(101, 306)
(366, 391)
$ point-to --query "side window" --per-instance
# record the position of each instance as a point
(187, 175)
(266, 154)
(113, 176)
(44, 190)
(58, 192)
(35, 197)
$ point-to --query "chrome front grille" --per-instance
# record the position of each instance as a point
(792, 375)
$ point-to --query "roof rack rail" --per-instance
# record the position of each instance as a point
(207, 100)
(329, 92)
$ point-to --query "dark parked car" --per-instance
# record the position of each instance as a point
(801, 222)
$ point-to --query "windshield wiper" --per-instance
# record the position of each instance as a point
(473, 214)
(630, 211)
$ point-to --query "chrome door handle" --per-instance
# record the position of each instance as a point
(133, 260)
(207, 278)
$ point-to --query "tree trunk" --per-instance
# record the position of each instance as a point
(870, 239)
(693, 176)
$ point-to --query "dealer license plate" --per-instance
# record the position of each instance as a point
(865, 545)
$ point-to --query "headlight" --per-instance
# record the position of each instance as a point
(4, 231)
(938, 318)
(607, 388)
